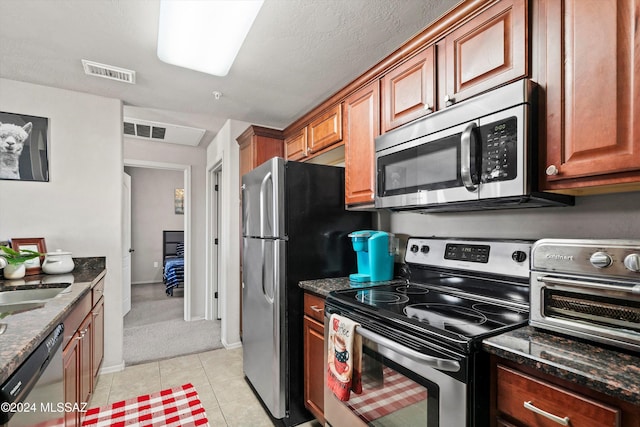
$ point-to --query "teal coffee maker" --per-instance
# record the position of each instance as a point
(375, 252)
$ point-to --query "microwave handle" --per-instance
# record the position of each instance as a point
(465, 158)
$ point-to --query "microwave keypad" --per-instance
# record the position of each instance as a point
(499, 150)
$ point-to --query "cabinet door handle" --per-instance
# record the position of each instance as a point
(316, 309)
(552, 170)
(562, 421)
(448, 101)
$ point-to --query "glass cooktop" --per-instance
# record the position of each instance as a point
(454, 319)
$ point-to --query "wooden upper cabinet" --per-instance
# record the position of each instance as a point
(590, 62)
(408, 92)
(361, 126)
(487, 51)
(257, 145)
(295, 146)
(326, 130)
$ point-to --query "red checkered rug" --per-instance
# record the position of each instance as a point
(178, 406)
(394, 393)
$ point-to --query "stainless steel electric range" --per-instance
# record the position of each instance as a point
(422, 338)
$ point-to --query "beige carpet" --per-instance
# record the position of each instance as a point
(154, 329)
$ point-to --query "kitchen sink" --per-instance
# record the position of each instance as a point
(30, 295)
(7, 309)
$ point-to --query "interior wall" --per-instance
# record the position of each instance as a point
(613, 216)
(79, 209)
(224, 148)
(195, 157)
(152, 212)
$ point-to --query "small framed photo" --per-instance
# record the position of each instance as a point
(23, 147)
(178, 201)
(33, 244)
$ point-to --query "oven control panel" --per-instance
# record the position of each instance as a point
(504, 257)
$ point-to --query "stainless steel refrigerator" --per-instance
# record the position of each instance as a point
(295, 228)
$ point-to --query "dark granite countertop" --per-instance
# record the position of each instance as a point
(322, 287)
(611, 372)
(26, 330)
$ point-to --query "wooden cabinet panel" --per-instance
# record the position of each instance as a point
(70, 357)
(487, 51)
(314, 307)
(314, 370)
(362, 125)
(84, 366)
(325, 130)
(97, 338)
(257, 145)
(590, 59)
(408, 92)
(295, 146)
(525, 399)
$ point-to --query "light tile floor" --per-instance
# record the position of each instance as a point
(216, 375)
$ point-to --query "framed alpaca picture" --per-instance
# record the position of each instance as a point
(23, 147)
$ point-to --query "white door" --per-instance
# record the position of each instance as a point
(126, 243)
(218, 300)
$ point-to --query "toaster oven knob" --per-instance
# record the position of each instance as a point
(414, 248)
(632, 262)
(600, 260)
(519, 256)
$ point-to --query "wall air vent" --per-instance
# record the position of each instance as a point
(162, 132)
(109, 72)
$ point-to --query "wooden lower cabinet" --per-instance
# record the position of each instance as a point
(314, 369)
(83, 355)
(70, 358)
(522, 397)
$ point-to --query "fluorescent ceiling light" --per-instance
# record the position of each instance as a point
(204, 35)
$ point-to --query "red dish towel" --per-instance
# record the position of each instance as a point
(344, 358)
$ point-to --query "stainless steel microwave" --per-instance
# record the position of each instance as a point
(478, 154)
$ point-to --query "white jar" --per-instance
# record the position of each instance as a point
(57, 262)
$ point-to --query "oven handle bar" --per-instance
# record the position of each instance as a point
(570, 282)
(435, 362)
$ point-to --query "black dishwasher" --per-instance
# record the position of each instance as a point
(34, 392)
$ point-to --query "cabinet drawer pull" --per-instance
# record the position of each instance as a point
(316, 309)
(562, 421)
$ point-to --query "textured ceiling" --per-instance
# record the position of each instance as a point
(297, 54)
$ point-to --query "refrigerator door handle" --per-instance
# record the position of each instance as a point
(263, 186)
(245, 211)
(262, 275)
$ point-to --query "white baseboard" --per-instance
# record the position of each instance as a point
(231, 346)
(146, 282)
(111, 369)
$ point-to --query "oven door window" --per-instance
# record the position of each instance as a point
(392, 395)
(431, 165)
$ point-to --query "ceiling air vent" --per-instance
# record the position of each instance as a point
(109, 72)
(162, 132)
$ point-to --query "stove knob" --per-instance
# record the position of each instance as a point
(414, 248)
(632, 262)
(519, 256)
(424, 249)
(600, 260)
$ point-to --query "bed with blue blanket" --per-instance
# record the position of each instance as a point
(173, 260)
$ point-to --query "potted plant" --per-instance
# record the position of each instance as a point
(15, 268)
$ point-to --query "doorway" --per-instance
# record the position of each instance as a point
(214, 275)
